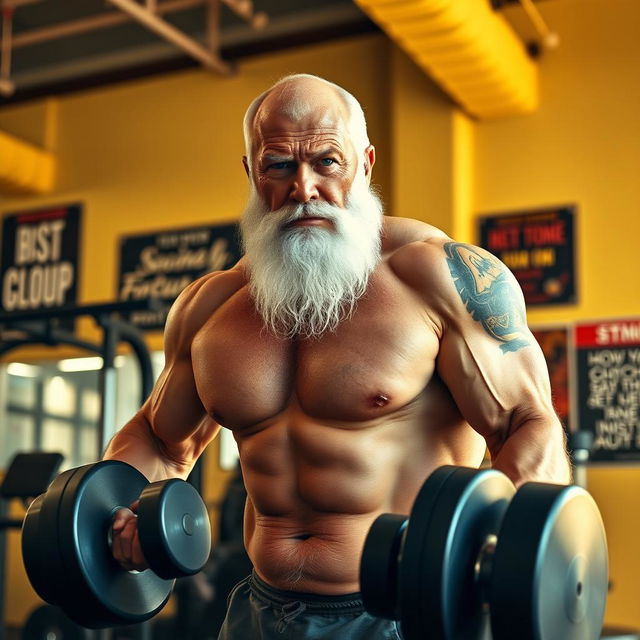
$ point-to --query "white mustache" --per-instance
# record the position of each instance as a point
(295, 212)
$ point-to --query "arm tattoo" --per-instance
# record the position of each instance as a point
(487, 290)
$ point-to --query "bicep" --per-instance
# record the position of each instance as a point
(488, 358)
(174, 409)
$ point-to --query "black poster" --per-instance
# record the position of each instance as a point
(538, 247)
(160, 265)
(40, 258)
(608, 363)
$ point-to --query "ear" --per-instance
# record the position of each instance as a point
(369, 161)
(245, 163)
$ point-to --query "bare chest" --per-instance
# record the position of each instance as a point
(374, 364)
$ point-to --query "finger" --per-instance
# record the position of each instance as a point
(121, 547)
(121, 517)
(116, 544)
(138, 560)
(127, 535)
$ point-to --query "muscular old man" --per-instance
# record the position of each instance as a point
(350, 354)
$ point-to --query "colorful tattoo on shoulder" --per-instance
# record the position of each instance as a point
(487, 290)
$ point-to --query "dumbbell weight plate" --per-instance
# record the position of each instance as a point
(174, 529)
(39, 540)
(549, 577)
(380, 565)
(454, 514)
(50, 623)
(104, 594)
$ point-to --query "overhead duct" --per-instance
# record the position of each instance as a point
(465, 47)
(24, 168)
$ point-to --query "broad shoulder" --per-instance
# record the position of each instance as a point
(416, 252)
(198, 301)
(448, 274)
(400, 232)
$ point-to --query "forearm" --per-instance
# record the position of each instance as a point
(534, 451)
(137, 445)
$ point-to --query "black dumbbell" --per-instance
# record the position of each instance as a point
(66, 545)
(478, 560)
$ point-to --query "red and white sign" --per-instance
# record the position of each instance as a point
(616, 333)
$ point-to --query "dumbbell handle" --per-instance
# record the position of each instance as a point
(173, 528)
(483, 567)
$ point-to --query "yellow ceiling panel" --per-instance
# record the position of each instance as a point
(465, 46)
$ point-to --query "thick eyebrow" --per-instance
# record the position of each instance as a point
(327, 151)
(269, 158)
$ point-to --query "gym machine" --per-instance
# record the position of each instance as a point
(42, 326)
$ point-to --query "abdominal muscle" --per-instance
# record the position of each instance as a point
(315, 489)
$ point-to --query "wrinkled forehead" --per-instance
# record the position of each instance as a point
(307, 107)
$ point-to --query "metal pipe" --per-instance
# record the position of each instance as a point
(50, 336)
(102, 21)
(107, 383)
(212, 28)
(69, 311)
(17, 3)
(5, 59)
(245, 9)
(549, 38)
(173, 35)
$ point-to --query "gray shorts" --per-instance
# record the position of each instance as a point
(257, 611)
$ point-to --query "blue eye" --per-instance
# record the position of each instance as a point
(327, 162)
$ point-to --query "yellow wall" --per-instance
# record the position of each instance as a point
(164, 152)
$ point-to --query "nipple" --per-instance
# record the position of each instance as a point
(381, 400)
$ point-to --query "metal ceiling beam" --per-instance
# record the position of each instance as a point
(101, 21)
(167, 31)
(16, 3)
(7, 88)
(238, 39)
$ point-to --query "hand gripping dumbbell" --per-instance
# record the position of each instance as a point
(477, 560)
(66, 543)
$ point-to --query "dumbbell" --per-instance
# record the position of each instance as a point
(478, 560)
(66, 543)
(49, 623)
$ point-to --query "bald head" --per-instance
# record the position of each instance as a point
(296, 97)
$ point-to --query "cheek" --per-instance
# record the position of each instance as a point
(268, 192)
(340, 189)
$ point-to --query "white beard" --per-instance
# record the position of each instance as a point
(306, 280)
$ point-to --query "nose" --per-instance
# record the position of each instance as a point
(304, 187)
